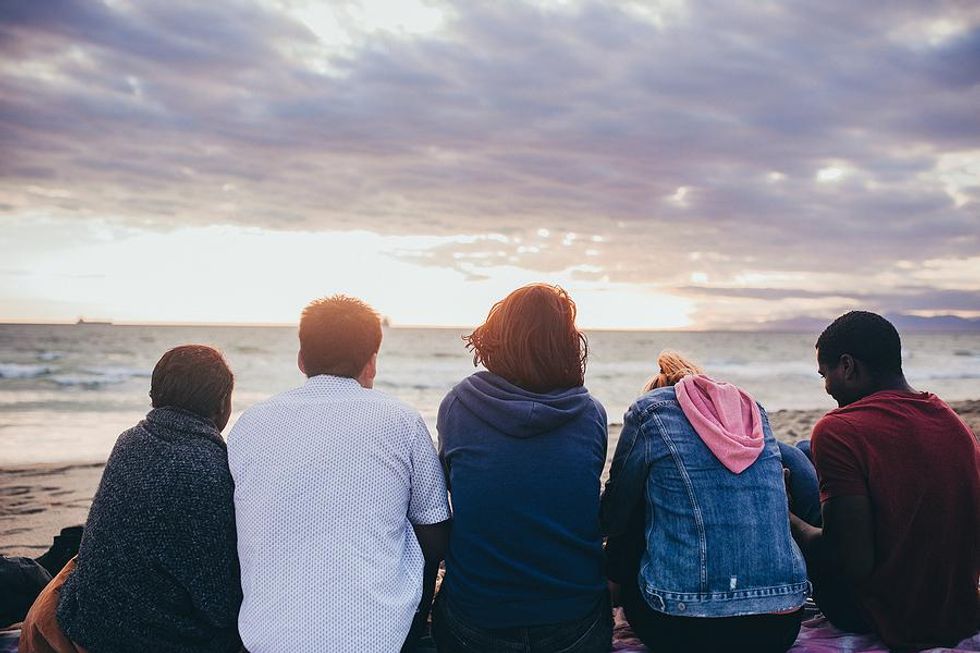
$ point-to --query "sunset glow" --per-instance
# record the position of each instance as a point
(226, 162)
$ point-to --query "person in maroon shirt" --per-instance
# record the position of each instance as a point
(899, 473)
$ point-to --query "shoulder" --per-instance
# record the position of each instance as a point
(836, 444)
(832, 427)
(273, 402)
(837, 421)
(600, 410)
(394, 406)
(447, 403)
(134, 447)
(464, 387)
(661, 400)
(128, 439)
(191, 465)
(255, 413)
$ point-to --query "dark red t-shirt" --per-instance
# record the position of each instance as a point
(919, 465)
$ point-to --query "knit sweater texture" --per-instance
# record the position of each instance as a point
(157, 569)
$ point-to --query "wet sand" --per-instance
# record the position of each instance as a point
(37, 501)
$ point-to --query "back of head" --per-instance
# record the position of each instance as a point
(530, 339)
(193, 377)
(338, 335)
(673, 368)
(867, 337)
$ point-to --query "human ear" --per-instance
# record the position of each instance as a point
(368, 372)
(373, 366)
(221, 419)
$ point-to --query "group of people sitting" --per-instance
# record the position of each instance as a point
(322, 523)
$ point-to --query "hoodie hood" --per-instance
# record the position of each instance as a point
(725, 417)
(518, 412)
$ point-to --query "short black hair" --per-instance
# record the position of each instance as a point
(192, 377)
(866, 336)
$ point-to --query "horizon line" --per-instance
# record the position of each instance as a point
(279, 325)
(769, 327)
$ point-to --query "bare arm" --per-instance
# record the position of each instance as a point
(847, 535)
(849, 530)
(847, 538)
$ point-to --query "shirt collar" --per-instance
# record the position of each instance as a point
(327, 383)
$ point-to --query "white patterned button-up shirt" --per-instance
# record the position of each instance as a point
(329, 479)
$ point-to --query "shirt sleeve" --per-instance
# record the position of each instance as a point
(840, 468)
(429, 502)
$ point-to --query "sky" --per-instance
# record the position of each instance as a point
(672, 164)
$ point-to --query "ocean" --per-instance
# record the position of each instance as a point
(67, 391)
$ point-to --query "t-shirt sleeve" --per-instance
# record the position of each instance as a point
(429, 503)
(840, 468)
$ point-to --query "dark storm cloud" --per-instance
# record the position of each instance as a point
(584, 119)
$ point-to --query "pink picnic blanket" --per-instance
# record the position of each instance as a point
(816, 636)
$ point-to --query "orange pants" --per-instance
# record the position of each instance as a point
(41, 632)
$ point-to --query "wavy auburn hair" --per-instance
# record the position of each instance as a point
(530, 339)
(673, 368)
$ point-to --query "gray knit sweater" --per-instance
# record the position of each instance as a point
(158, 568)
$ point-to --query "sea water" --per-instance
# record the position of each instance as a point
(67, 391)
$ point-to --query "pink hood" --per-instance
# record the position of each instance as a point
(726, 418)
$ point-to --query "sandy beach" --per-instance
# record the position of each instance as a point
(37, 501)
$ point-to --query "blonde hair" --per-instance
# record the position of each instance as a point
(673, 368)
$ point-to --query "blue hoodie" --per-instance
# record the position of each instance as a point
(523, 470)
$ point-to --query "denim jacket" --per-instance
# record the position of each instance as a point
(718, 544)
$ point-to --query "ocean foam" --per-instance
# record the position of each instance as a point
(114, 371)
(760, 370)
(21, 371)
(86, 382)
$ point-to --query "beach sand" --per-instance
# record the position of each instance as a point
(37, 501)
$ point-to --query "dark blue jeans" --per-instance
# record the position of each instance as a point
(590, 634)
(802, 481)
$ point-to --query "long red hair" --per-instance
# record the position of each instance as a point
(530, 339)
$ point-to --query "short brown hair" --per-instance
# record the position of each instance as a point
(193, 377)
(338, 335)
(530, 339)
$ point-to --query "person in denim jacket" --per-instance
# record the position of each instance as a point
(696, 510)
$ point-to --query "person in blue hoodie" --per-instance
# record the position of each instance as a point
(715, 567)
(523, 444)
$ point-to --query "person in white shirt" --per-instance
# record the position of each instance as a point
(340, 500)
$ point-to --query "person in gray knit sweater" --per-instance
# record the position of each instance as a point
(158, 569)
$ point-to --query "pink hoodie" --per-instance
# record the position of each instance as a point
(726, 418)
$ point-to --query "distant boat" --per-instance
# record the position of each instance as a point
(385, 322)
(83, 321)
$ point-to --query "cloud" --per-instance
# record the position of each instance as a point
(662, 129)
(900, 299)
